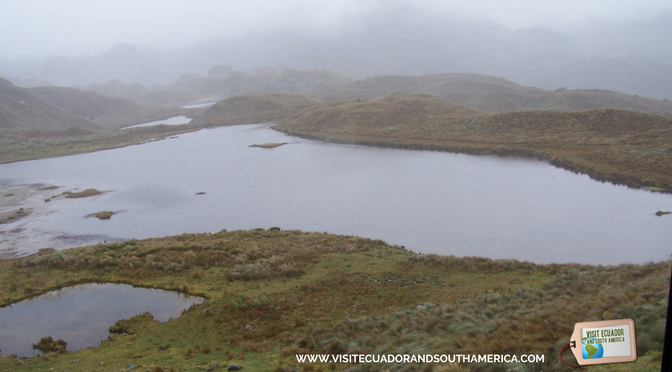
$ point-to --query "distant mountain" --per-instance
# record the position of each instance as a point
(21, 110)
(627, 57)
(268, 80)
(192, 87)
(123, 62)
(112, 112)
(481, 92)
(143, 95)
(26, 81)
(492, 94)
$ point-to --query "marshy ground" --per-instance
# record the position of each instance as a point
(21, 204)
(273, 294)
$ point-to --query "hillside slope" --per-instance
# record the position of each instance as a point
(616, 145)
(252, 108)
(192, 87)
(267, 80)
(112, 112)
(142, 95)
(494, 94)
(31, 128)
(20, 110)
(481, 92)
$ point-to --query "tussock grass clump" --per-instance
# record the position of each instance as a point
(248, 255)
(48, 345)
(534, 320)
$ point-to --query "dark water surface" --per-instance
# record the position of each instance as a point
(81, 315)
(430, 202)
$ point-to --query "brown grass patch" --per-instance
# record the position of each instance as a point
(608, 144)
(82, 194)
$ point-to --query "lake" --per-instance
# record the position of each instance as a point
(430, 202)
(81, 315)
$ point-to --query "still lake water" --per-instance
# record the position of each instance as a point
(175, 120)
(81, 315)
(430, 202)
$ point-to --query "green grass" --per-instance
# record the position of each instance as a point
(272, 294)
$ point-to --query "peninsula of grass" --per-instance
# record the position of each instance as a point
(28, 145)
(273, 294)
(252, 109)
(269, 145)
(82, 194)
(612, 145)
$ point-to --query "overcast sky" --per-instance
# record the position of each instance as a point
(38, 28)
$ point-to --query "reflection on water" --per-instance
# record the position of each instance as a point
(204, 102)
(81, 315)
(175, 120)
(430, 202)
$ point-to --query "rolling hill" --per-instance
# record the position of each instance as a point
(32, 127)
(616, 145)
(494, 94)
(192, 87)
(268, 80)
(142, 95)
(21, 110)
(112, 112)
(481, 92)
(252, 108)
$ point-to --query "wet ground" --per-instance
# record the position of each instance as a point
(23, 205)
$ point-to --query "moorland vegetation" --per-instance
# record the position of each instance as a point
(608, 144)
(272, 294)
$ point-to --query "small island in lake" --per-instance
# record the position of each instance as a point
(269, 145)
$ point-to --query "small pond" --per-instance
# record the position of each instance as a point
(81, 315)
(175, 120)
(204, 102)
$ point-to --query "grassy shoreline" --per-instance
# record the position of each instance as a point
(485, 149)
(610, 145)
(17, 147)
(273, 294)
